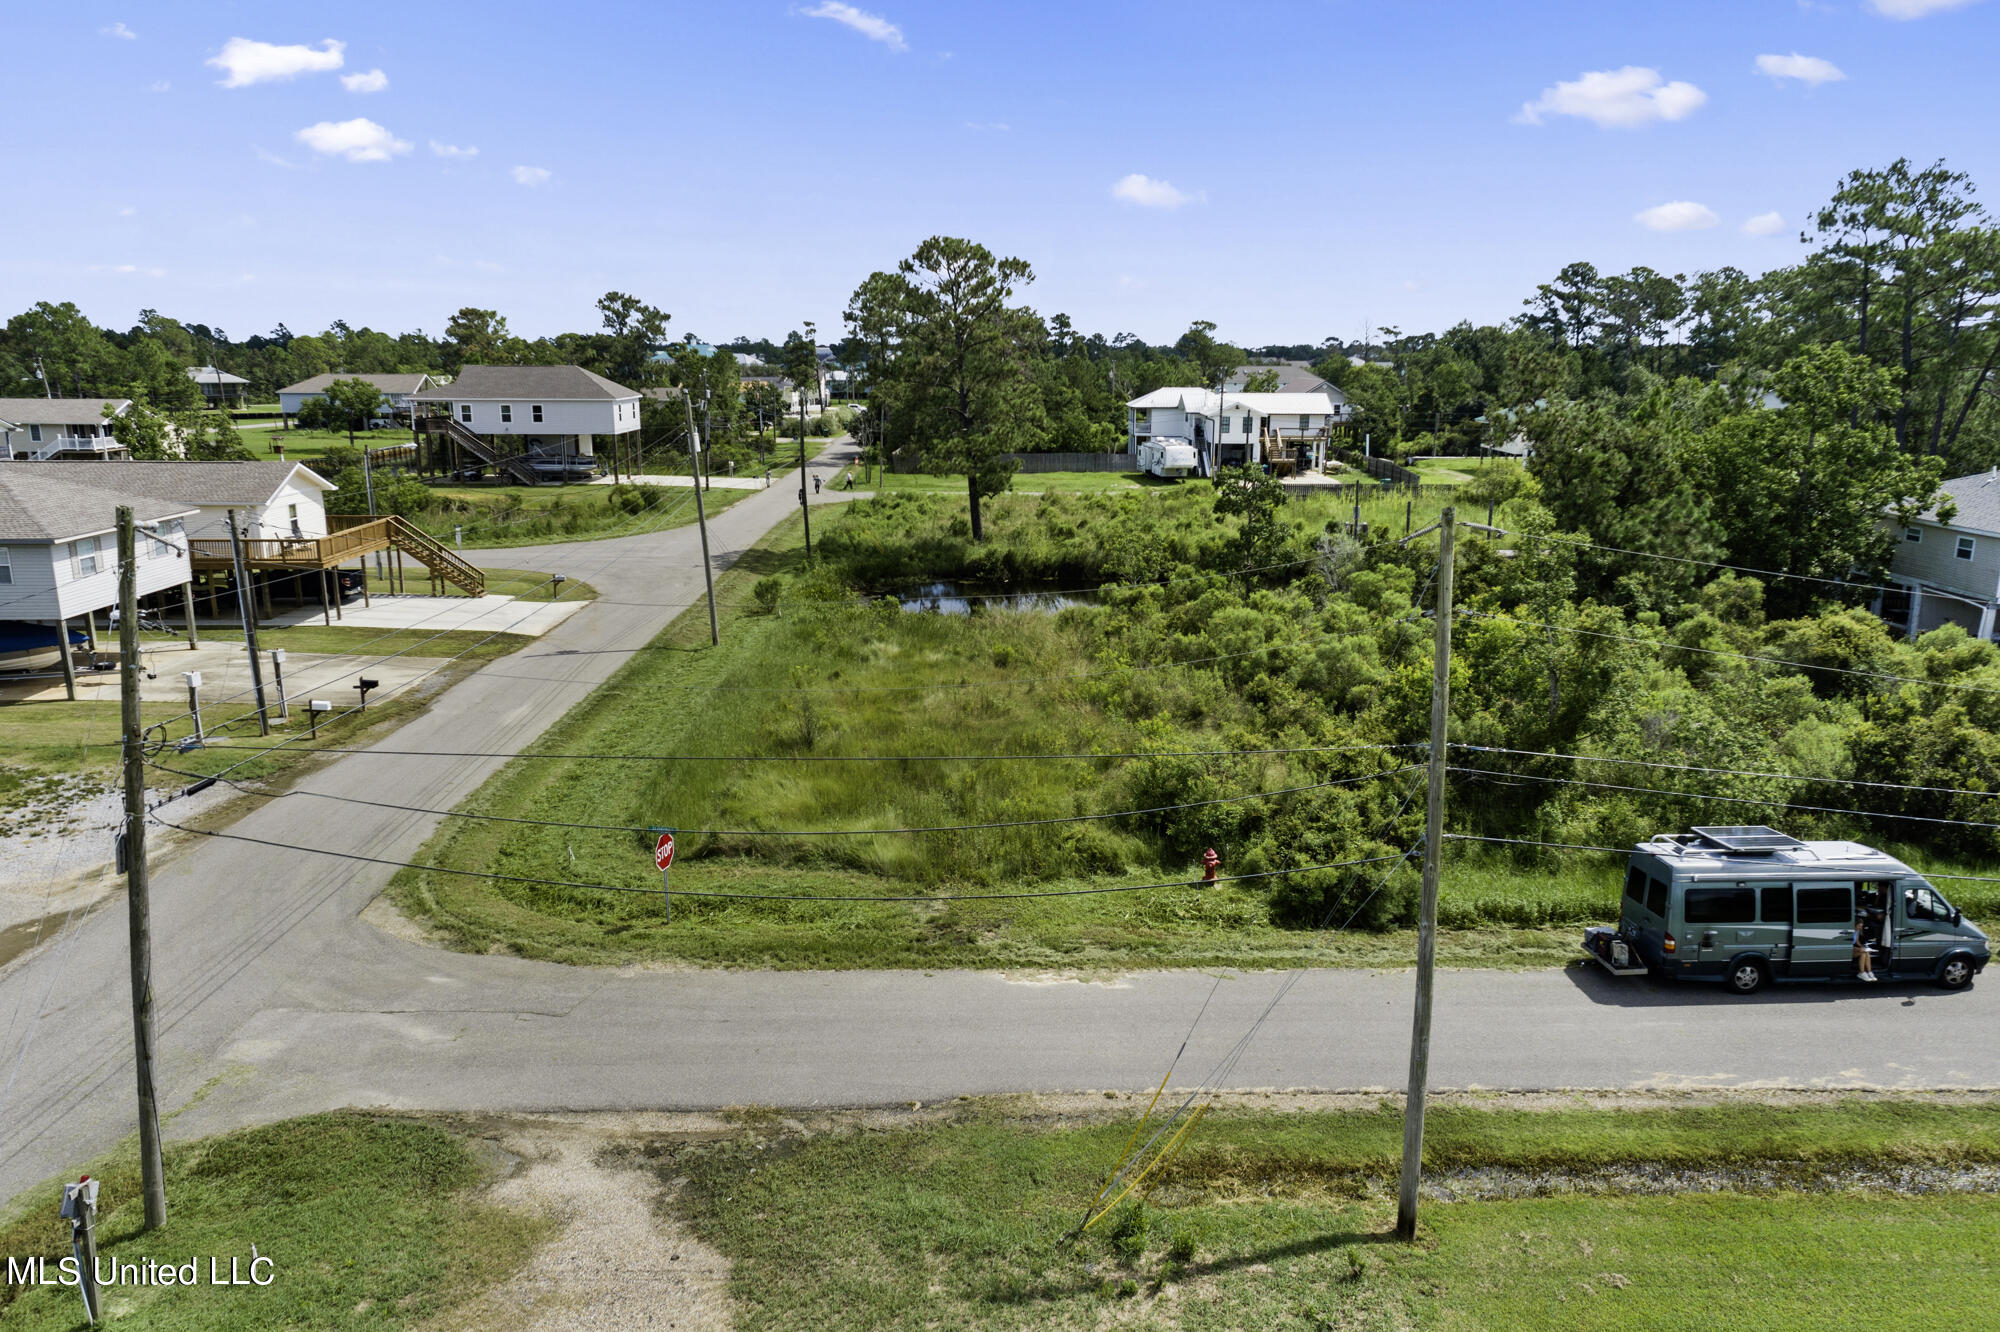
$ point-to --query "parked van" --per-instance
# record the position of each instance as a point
(1748, 905)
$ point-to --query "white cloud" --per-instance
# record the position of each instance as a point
(120, 31)
(128, 268)
(1150, 193)
(266, 155)
(373, 81)
(357, 140)
(1804, 68)
(452, 150)
(1915, 9)
(1616, 99)
(872, 26)
(527, 175)
(126, 211)
(1764, 224)
(1680, 215)
(159, 85)
(247, 62)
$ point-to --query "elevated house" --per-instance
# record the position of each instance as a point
(396, 390)
(1292, 377)
(41, 429)
(218, 387)
(1949, 573)
(1232, 428)
(532, 423)
(59, 560)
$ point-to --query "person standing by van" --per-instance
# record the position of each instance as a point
(1864, 966)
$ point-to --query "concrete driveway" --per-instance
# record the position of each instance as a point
(274, 998)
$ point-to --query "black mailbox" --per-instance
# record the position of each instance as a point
(364, 684)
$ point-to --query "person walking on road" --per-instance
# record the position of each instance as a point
(815, 485)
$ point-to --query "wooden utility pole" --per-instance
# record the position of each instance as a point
(1420, 1034)
(246, 611)
(138, 909)
(701, 519)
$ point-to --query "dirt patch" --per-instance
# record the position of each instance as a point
(617, 1259)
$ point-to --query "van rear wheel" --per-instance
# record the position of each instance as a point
(1956, 973)
(1747, 976)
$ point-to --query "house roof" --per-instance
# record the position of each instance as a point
(58, 411)
(208, 374)
(386, 383)
(551, 383)
(1978, 500)
(196, 483)
(1207, 403)
(43, 503)
(1292, 378)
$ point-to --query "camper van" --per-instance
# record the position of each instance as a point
(1168, 458)
(1748, 905)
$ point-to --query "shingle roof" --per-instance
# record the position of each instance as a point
(1977, 497)
(39, 502)
(386, 383)
(551, 383)
(1291, 378)
(208, 374)
(58, 411)
(191, 482)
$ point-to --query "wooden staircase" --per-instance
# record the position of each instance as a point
(354, 534)
(516, 465)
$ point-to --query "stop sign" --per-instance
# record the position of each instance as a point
(663, 850)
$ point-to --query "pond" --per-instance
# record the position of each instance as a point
(950, 598)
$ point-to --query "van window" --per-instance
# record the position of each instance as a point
(1777, 904)
(1826, 906)
(1720, 906)
(1635, 883)
(1656, 897)
(1922, 903)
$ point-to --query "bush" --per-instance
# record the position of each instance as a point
(1329, 899)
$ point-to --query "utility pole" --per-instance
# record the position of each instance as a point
(138, 910)
(1420, 1034)
(701, 519)
(246, 612)
(805, 507)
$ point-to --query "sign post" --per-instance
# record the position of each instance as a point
(663, 856)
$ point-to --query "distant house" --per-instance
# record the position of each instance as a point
(396, 392)
(272, 500)
(59, 557)
(1231, 429)
(533, 421)
(38, 429)
(219, 388)
(1293, 377)
(1949, 573)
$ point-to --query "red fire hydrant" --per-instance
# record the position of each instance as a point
(1210, 863)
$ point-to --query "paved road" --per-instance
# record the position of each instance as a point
(274, 998)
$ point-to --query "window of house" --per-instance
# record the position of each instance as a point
(465, 412)
(1913, 534)
(35, 434)
(6, 566)
(535, 412)
(83, 557)
(1965, 548)
(506, 413)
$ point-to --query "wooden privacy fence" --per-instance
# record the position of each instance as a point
(1379, 467)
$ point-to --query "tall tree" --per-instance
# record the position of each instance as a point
(636, 329)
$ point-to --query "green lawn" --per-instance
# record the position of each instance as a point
(1286, 1220)
(369, 1222)
(1457, 471)
(1029, 483)
(500, 516)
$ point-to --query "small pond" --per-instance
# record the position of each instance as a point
(961, 598)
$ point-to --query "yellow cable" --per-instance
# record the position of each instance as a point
(1159, 1159)
(1124, 1155)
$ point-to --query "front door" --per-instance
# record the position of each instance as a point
(1922, 926)
(1823, 929)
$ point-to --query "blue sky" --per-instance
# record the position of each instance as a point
(1289, 171)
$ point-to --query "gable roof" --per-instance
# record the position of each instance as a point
(1292, 378)
(208, 374)
(1978, 500)
(43, 503)
(550, 383)
(391, 384)
(1208, 403)
(58, 411)
(190, 482)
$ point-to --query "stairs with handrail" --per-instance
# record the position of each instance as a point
(516, 465)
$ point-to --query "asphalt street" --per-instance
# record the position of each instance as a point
(275, 998)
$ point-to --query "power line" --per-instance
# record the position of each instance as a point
(1628, 850)
(810, 832)
(766, 897)
(867, 758)
(1706, 564)
(1719, 652)
(1724, 772)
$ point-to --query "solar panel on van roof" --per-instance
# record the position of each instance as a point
(1748, 839)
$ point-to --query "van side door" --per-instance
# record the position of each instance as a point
(1822, 929)
(1922, 924)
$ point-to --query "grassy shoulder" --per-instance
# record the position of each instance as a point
(1286, 1220)
(368, 1222)
(1029, 483)
(495, 517)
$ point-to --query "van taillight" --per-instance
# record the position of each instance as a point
(1669, 944)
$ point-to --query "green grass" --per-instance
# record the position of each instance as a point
(1030, 483)
(369, 1222)
(495, 517)
(307, 446)
(1281, 1221)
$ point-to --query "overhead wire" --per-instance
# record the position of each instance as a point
(1554, 539)
(1723, 772)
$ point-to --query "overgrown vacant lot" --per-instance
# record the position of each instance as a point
(1312, 674)
(1656, 1218)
